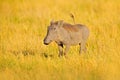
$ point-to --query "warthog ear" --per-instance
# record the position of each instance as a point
(52, 21)
(60, 23)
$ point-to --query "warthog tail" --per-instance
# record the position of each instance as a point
(72, 16)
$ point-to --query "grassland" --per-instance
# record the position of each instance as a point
(23, 56)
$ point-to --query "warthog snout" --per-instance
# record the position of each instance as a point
(46, 41)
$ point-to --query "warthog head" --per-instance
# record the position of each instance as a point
(53, 32)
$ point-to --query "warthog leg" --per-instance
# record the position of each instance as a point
(60, 47)
(82, 46)
(66, 49)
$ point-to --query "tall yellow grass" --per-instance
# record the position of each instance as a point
(23, 25)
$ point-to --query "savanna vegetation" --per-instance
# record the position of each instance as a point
(23, 26)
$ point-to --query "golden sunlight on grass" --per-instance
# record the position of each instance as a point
(23, 26)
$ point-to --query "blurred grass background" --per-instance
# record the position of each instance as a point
(23, 26)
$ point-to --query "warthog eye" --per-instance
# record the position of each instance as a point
(54, 28)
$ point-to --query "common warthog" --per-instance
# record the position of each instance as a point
(66, 34)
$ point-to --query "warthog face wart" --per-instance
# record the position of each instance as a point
(52, 32)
